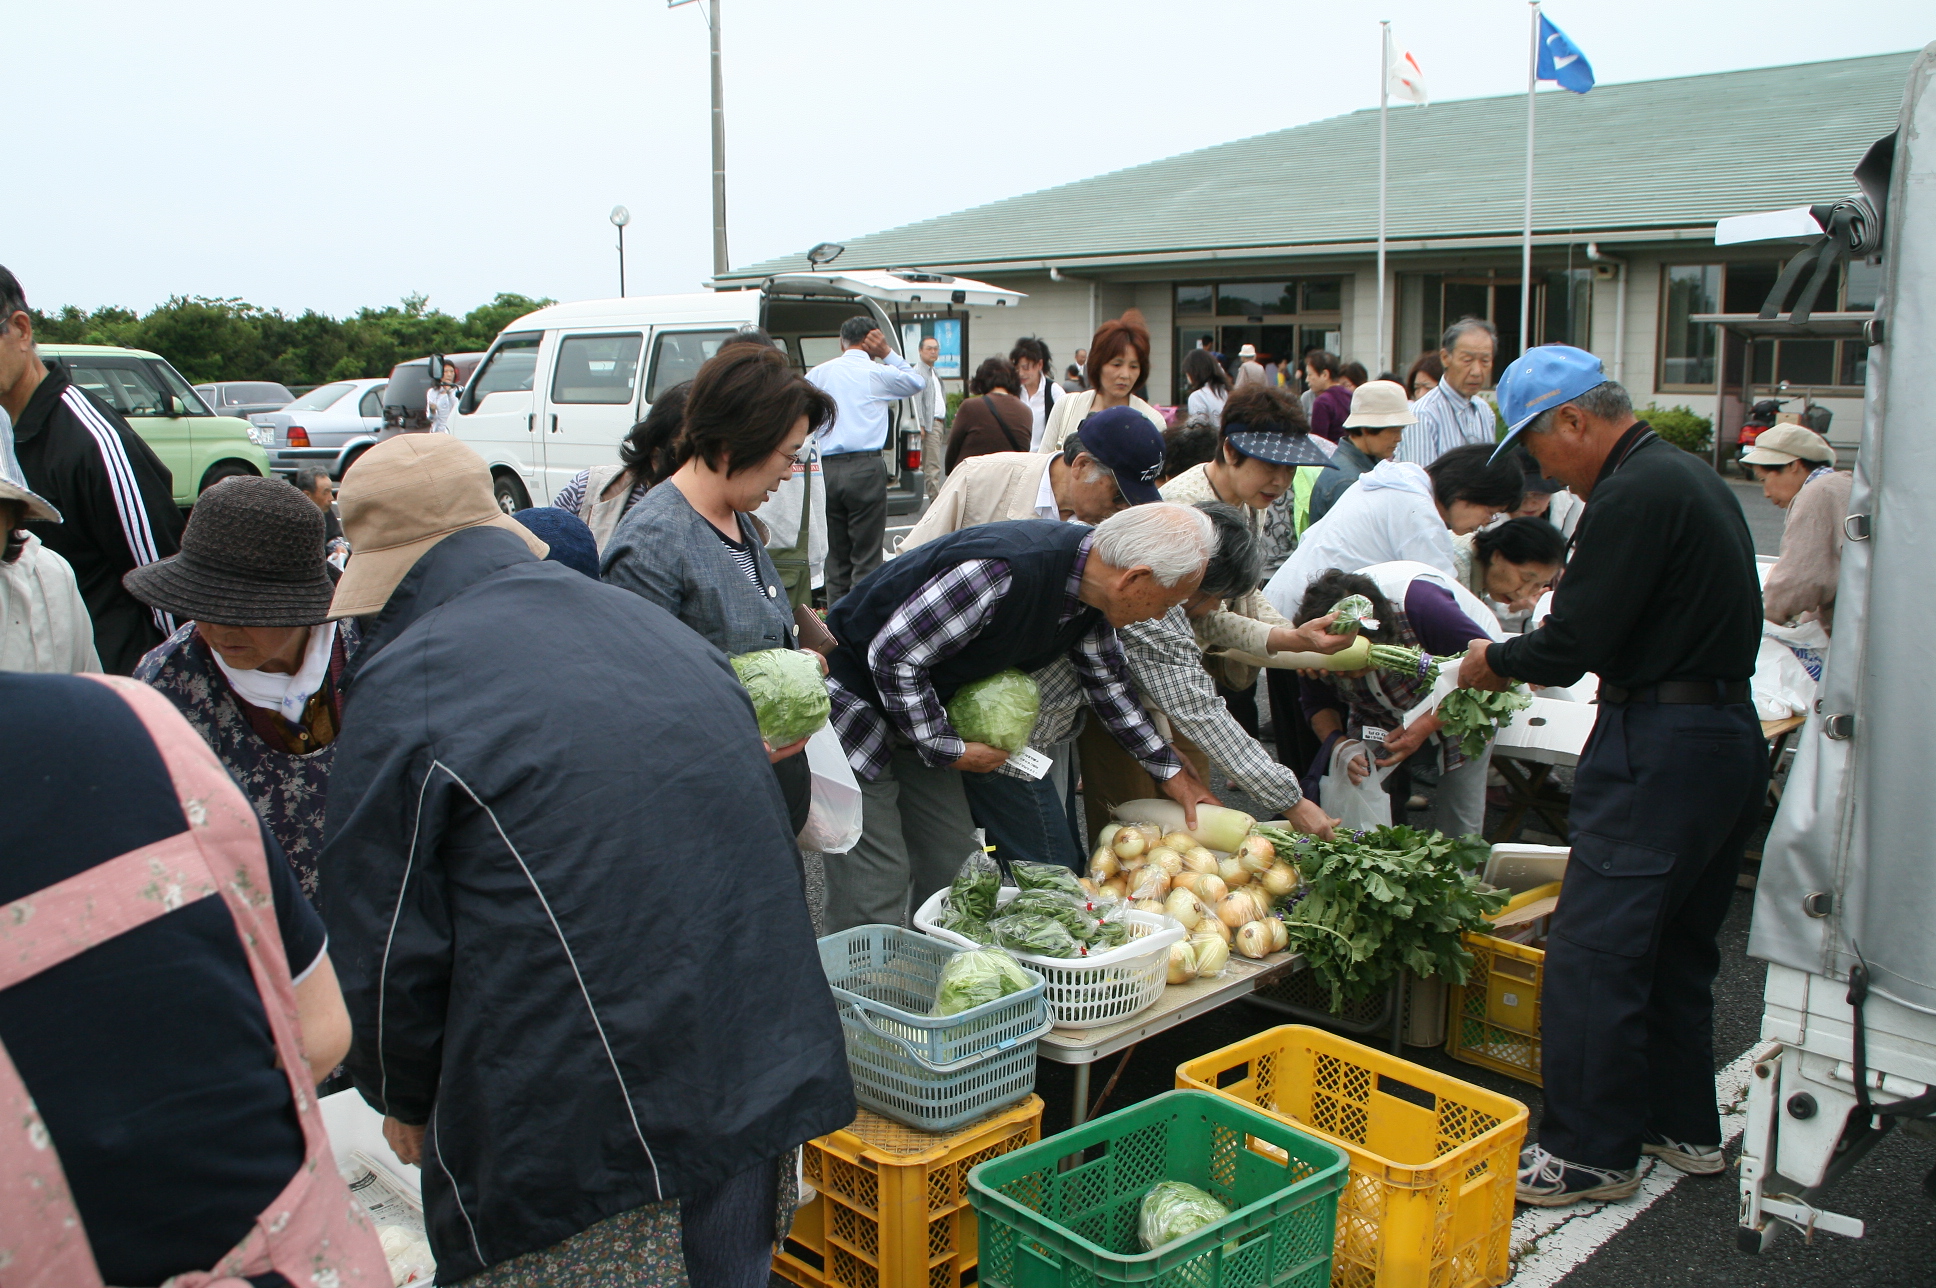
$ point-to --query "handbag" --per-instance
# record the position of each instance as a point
(1006, 432)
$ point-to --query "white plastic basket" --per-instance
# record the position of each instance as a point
(1089, 992)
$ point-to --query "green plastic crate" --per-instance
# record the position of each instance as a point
(1062, 1213)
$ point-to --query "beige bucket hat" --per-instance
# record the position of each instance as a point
(400, 499)
(1379, 404)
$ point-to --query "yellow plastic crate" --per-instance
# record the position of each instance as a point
(1495, 1013)
(891, 1208)
(1433, 1159)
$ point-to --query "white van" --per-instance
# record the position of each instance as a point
(561, 387)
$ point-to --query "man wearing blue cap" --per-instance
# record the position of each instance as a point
(1661, 602)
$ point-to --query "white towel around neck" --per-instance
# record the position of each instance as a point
(286, 695)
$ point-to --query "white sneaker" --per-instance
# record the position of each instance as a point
(1695, 1160)
(1547, 1181)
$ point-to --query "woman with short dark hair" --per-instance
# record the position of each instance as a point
(692, 545)
(993, 418)
(1036, 385)
(1511, 563)
(1117, 369)
(1423, 376)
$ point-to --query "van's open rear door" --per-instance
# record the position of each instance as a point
(896, 286)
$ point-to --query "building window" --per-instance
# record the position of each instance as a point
(1688, 349)
(1282, 320)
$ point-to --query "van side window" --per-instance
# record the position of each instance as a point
(597, 369)
(512, 365)
(122, 385)
(678, 355)
(372, 404)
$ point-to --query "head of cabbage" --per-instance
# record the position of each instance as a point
(789, 695)
(977, 976)
(999, 710)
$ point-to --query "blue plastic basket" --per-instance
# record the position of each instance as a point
(930, 1072)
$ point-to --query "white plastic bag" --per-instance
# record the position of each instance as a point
(1359, 807)
(833, 818)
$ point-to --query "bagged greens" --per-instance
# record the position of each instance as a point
(976, 976)
(789, 695)
(1352, 610)
(1046, 876)
(975, 887)
(1173, 1209)
(1034, 932)
(1074, 913)
(999, 710)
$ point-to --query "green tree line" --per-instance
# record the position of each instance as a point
(231, 339)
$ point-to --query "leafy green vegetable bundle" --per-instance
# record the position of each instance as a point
(1388, 900)
(976, 976)
(999, 710)
(1352, 610)
(789, 695)
(1472, 716)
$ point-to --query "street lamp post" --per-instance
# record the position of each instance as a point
(720, 261)
(621, 217)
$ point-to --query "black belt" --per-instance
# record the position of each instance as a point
(1683, 692)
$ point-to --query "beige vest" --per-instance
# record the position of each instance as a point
(601, 513)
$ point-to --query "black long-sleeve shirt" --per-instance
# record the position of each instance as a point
(117, 503)
(1661, 585)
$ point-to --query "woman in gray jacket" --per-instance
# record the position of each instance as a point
(692, 545)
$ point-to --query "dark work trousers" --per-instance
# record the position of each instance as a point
(1664, 799)
(727, 1231)
(1022, 819)
(856, 518)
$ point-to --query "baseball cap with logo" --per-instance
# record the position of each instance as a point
(400, 499)
(1541, 380)
(1124, 441)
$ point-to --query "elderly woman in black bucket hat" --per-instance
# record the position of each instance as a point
(257, 671)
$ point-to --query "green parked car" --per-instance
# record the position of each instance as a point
(198, 447)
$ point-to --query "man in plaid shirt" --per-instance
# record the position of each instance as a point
(966, 606)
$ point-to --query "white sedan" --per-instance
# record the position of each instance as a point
(314, 429)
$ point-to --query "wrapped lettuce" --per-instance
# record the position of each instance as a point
(1173, 1209)
(999, 710)
(789, 695)
(977, 976)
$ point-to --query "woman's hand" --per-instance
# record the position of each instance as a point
(980, 758)
(1403, 742)
(774, 755)
(1307, 817)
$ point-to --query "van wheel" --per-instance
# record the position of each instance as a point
(226, 470)
(511, 495)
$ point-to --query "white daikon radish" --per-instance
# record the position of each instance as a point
(1217, 828)
(1254, 940)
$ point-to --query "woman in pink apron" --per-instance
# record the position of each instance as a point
(158, 1117)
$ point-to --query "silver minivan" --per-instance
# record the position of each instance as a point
(560, 387)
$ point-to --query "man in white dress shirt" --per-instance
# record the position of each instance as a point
(863, 381)
(1453, 414)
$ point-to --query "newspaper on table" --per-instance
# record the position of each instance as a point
(397, 1218)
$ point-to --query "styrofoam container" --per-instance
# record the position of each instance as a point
(1089, 992)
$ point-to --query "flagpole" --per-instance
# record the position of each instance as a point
(1526, 238)
(1384, 93)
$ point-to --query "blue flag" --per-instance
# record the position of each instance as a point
(1561, 60)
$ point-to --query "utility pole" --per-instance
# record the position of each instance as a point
(720, 260)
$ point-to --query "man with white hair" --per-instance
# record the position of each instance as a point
(959, 609)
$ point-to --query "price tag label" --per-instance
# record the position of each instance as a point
(1031, 762)
(1373, 734)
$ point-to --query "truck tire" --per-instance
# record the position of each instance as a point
(511, 496)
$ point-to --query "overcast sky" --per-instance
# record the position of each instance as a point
(308, 155)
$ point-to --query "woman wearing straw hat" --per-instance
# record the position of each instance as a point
(258, 669)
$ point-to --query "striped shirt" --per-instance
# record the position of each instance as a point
(942, 619)
(743, 555)
(572, 495)
(1446, 419)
